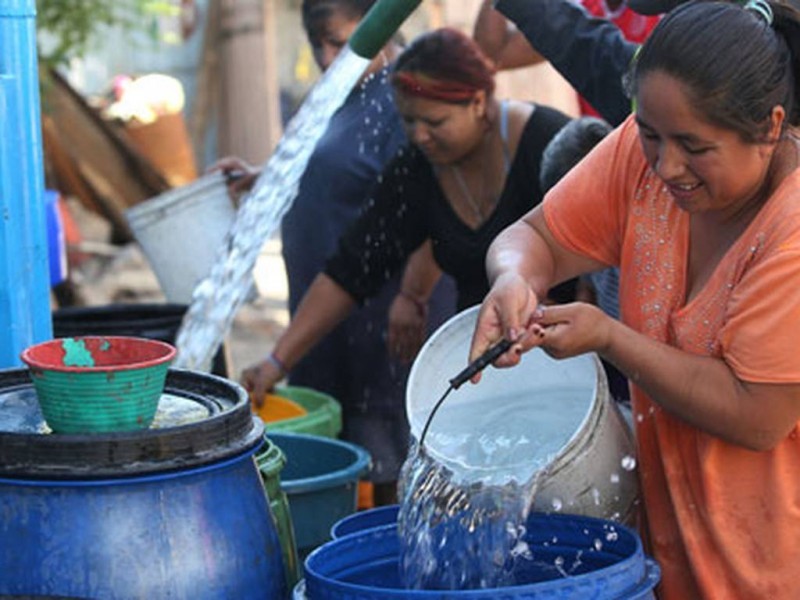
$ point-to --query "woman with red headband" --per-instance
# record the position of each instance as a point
(470, 169)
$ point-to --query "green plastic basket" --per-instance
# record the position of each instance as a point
(98, 384)
(324, 413)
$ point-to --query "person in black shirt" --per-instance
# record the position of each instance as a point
(470, 169)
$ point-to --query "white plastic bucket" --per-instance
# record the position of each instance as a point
(588, 462)
(181, 231)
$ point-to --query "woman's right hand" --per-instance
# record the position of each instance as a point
(259, 380)
(509, 311)
(239, 174)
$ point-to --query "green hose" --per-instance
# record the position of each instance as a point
(380, 24)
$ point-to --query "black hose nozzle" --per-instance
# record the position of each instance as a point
(480, 363)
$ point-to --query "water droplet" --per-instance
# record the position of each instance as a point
(614, 478)
(558, 563)
(628, 463)
(557, 504)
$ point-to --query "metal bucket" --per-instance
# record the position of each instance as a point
(591, 473)
(174, 511)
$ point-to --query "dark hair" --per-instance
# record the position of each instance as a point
(447, 54)
(568, 147)
(317, 12)
(737, 67)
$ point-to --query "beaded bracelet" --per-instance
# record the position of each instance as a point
(277, 363)
(422, 308)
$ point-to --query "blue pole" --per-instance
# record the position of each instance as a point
(24, 283)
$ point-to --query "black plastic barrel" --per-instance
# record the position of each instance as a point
(174, 511)
(151, 321)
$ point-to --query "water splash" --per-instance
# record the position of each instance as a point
(217, 298)
(457, 535)
(466, 496)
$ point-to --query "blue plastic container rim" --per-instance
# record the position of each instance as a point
(644, 591)
(646, 570)
(365, 519)
(362, 461)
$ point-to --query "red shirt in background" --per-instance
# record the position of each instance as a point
(634, 27)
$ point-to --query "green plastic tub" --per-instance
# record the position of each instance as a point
(324, 416)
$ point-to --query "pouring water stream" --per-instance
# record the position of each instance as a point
(217, 298)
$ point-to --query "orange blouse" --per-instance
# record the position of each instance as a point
(722, 521)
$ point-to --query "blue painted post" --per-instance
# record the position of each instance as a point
(24, 284)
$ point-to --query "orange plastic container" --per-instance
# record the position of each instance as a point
(278, 408)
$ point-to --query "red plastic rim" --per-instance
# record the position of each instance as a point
(110, 353)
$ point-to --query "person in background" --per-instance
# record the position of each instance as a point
(564, 151)
(696, 198)
(510, 48)
(351, 363)
(471, 168)
(591, 53)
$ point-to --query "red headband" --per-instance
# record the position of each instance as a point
(433, 89)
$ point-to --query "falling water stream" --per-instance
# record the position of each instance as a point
(217, 298)
(466, 495)
(459, 535)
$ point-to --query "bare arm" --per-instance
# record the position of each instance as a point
(239, 174)
(501, 41)
(421, 273)
(590, 53)
(701, 390)
(408, 314)
(522, 263)
(324, 306)
(704, 391)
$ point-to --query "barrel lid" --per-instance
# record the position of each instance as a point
(201, 419)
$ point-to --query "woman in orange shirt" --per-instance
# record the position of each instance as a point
(701, 196)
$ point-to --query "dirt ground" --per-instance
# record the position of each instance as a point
(102, 273)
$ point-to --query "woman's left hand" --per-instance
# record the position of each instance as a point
(406, 329)
(572, 329)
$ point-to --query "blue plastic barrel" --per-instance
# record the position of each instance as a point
(320, 480)
(365, 565)
(174, 511)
